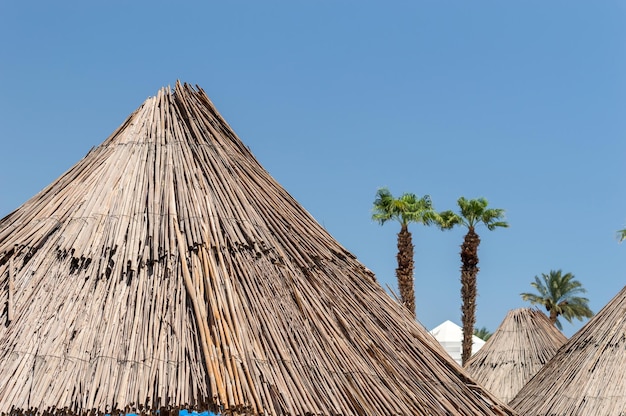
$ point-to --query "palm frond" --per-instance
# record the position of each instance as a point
(532, 298)
(557, 293)
(405, 209)
(383, 206)
(448, 220)
(475, 211)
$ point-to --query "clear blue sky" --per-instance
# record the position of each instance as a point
(522, 103)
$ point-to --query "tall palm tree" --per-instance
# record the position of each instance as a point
(557, 292)
(472, 212)
(406, 209)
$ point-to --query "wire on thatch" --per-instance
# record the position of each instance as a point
(586, 376)
(168, 269)
(522, 344)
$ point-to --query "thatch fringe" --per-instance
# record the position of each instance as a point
(168, 268)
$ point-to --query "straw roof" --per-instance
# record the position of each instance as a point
(523, 343)
(168, 268)
(586, 376)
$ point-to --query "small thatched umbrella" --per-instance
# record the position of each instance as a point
(523, 343)
(168, 269)
(586, 376)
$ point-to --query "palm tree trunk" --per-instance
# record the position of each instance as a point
(553, 316)
(404, 272)
(469, 271)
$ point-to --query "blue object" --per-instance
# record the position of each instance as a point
(181, 413)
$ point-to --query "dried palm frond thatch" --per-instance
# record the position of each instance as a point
(586, 376)
(168, 269)
(523, 343)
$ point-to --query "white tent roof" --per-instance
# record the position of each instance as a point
(450, 336)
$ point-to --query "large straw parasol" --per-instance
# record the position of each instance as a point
(522, 344)
(168, 269)
(586, 376)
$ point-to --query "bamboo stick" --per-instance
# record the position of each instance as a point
(10, 290)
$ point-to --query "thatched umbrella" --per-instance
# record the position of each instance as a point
(523, 343)
(168, 269)
(586, 376)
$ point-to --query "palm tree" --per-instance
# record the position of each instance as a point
(621, 234)
(558, 294)
(406, 209)
(483, 333)
(472, 213)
